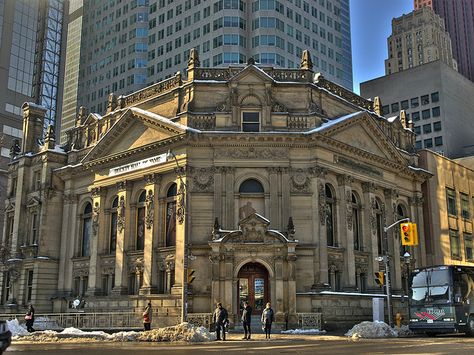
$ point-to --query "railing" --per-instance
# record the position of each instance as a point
(297, 122)
(309, 320)
(203, 122)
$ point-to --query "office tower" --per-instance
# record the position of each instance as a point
(437, 99)
(418, 37)
(30, 66)
(121, 46)
(459, 18)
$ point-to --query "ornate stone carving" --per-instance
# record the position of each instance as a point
(151, 179)
(300, 181)
(95, 218)
(349, 209)
(343, 179)
(415, 201)
(314, 108)
(150, 209)
(252, 153)
(121, 214)
(203, 179)
(122, 186)
(322, 204)
(70, 198)
(318, 172)
(390, 193)
(181, 205)
(368, 187)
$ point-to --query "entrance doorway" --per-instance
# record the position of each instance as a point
(253, 286)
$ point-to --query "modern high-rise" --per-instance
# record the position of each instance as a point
(121, 46)
(417, 38)
(30, 66)
(459, 18)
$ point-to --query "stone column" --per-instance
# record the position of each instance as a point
(218, 210)
(67, 247)
(281, 292)
(229, 198)
(98, 231)
(151, 223)
(320, 262)
(123, 232)
(393, 236)
(285, 197)
(291, 258)
(346, 230)
(274, 203)
(181, 243)
(370, 232)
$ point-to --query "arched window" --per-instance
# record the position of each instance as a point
(251, 199)
(86, 230)
(251, 186)
(140, 240)
(113, 226)
(356, 225)
(331, 240)
(379, 223)
(171, 215)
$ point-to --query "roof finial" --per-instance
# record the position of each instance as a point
(378, 105)
(306, 63)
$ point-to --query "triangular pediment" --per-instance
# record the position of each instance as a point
(251, 75)
(361, 132)
(135, 129)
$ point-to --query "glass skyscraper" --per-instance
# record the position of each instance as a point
(121, 46)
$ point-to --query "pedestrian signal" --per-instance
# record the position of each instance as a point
(380, 278)
(191, 276)
(409, 234)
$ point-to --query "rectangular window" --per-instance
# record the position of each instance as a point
(404, 104)
(468, 246)
(451, 201)
(426, 114)
(435, 97)
(437, 126)
(465, 208)
(425, 100)
(395, 107)
(414, 102)
(415, 116)
(427, 128)
(455, 245)
(251, 121)
(417, 130)
(428, 143)
(385, 110)
(438, 141)
(436, 111)
(29, 285)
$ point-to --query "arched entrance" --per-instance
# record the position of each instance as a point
(253, 286)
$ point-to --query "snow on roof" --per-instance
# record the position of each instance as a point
(333, 122)
(163, 119)
(417, 169)
(391, 119)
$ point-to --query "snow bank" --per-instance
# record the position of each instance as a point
(181, 332)
(303, 331)
(372, 330)
(16, 328)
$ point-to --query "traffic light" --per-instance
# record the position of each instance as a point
(191, 276)
(380, 278)
(409, 233)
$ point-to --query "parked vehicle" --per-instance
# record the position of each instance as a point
(442, 300)
(5, 336)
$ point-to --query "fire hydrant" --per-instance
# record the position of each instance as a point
(398, 320)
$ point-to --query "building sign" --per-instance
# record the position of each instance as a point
(141, 164)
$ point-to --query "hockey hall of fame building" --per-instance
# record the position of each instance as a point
(271, 184)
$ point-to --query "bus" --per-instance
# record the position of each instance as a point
(442, 300)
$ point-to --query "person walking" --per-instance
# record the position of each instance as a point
(268, 317)
(246, 317)
(30, 318)
(220, 319)
(147, 317)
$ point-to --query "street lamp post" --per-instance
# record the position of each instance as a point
(386, 259)
(183, 205)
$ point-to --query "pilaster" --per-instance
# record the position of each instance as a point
(370, 235)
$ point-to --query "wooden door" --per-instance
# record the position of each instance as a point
(253, 287)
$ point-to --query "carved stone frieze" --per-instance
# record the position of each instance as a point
(322, 204)
(349, 209)
(390, 193)
(344, 180)
(300, 180)
(368, 187)
(122, 185)
(95, 218)
(415, 201)
(151, 179)
(252, 153)
(203, 179)
(181, 205)
(121, 214)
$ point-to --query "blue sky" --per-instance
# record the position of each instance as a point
(371, 24)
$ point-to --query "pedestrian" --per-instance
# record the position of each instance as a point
(30, 318)
(246, 317)
(268, 318)
(220, 319)
(147, 317)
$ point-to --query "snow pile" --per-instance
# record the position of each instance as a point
(404, 331)
(43, 323)
(16, 328)
(181, 332)
(303, 331)
(372, 330)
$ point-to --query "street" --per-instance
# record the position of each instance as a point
(280, 344)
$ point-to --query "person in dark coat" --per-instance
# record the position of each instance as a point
(268, 317)
(30, 318)
(147, 317)
(220, 319)
(246, 317)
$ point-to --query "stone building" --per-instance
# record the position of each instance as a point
(272, 184)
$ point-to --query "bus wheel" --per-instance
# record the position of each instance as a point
(470, 326)
(431, 334)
